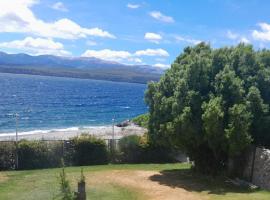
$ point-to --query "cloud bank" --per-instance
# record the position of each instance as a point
(21, 19)
(37, 46)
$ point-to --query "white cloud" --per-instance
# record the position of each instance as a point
(237, 37)
(153, 37)
(152, 52)
(232, 35)
(21, 19)
(188, 40)
(108, 54)
(163, 66)
(59, 6)
(37, 46)
(112, 55)
(263, 34)
(124, 56)
(244, 40)
(136, 60)
(133, 6)
(161, 17)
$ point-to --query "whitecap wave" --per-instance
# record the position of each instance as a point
(60, 130)
(125, 107)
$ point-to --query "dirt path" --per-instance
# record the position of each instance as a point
(141, 181)
(3, 177)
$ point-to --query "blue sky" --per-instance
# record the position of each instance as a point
(149, 32)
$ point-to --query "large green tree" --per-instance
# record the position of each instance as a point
(212, 103)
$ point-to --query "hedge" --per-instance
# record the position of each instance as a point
(7, 155)
(136, 149)
(88, 150)
(83, 150)
(79, 151)
(39, 154)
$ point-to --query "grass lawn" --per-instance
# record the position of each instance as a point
(117, 182)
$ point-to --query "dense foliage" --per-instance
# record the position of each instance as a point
(83, 150)
(130, 148)
(136, 149)
(212, 103)
(142, 120)
(7, 155)
(89, 150)
(39, 154)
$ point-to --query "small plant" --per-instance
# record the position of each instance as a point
(65, 189)
(82, 176)
(66, 193)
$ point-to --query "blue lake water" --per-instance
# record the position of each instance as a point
(45, 103)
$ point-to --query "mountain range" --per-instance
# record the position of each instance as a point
(77, 67)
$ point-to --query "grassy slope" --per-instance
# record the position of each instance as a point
(43, 184)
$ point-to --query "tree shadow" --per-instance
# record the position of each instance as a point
(190, 181)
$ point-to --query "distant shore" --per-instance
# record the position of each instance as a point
(104, 132)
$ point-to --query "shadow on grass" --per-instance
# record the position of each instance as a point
(190, 181)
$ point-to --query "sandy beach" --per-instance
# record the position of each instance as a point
(104, 132)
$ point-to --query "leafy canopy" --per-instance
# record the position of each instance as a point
(212, 103)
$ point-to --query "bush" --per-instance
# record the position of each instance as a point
(7, 155)
(88, 150)
(142, 120)
(136, 149)
(39, 154)
(157, 154)
(130, 148)
(83, 150)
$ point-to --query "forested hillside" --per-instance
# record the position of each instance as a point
(77, 67)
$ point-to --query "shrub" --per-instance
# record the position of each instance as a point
(136, 149)
(7, 155)
(142, 120)
(89, 150)
(39, 154)
(157, 154)
(130, 148)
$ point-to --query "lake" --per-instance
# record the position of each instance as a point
(45, 103)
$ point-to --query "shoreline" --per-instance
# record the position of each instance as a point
(103, 132)
(2, 71)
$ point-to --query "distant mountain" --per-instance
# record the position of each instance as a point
(77, 67)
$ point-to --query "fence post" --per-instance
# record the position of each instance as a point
(253, 163)
(16, 143)
(81, 194)
(63, 149)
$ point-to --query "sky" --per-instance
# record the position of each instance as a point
(148, 32)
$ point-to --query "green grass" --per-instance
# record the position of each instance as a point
(43, 184)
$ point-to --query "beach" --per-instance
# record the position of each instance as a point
(104, 132)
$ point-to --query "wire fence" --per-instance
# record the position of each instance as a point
(53, 151)
(111, 143)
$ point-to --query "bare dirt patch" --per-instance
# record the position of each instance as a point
(3, 177)
(141, 181)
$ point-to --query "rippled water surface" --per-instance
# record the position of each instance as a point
(45, 103)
